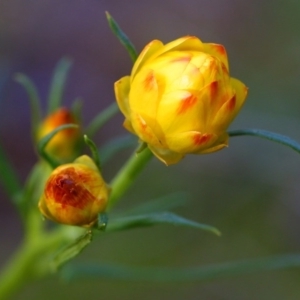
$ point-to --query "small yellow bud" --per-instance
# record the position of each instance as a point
(63, 144)
(75, 193)
(179, 98)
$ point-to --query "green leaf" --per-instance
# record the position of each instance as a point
(101, 222)
(34, 186)
(46, 139)
(112, 147)
(8, 177)
(71, 250)
(33, 99)
(271, 136)
(145, 220)
(94, 151)
(76, 109)
(159, 274)
(160, 204)
(123, 38)
(58, 84)
(101, 119)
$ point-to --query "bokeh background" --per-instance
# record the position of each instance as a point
(250, 191)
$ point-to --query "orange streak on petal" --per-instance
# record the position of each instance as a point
(220, 49)
(231, 103)
(149, 82)
(186, 103)
(181, 59)
(213, 89)
(200, 139)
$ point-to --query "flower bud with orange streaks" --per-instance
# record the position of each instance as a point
(64, 144)
(180, 98)
(75, 193)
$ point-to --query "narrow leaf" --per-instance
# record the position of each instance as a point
(123, 38)
(160, 204)
(101, 119)
(151, 219)
(94, 151)
(159, 274)
(271, 136)
(71, 250)
(46, 139)
(33, 99)
(8, 177)
(116, 145)
(76, 109)
(58, 84)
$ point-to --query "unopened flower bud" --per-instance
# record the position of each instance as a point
(75, 193)
(180, 98)
(63, 144)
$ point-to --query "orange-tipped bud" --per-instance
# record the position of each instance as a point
(180, 98)
(75, 193)
(63, 145)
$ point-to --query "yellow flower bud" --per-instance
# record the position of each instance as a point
(75, 193)
(179, 98)
(63, 144)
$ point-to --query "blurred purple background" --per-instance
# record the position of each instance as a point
(249, 191)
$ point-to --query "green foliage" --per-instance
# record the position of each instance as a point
(94, 151)
(34, 101)
(71, 250)
(159, 274)
(123, 38)
(111, 148)
(46, 139)
(58, 84)
(268, 135)
(145, 220)
(101, 119)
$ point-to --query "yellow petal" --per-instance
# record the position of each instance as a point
(86, 161)
(219, 144)
(44, 210)
(147, 52)
(184, 110)
(170, 68)
(167, 156)
(190, 141)
(127, 124)
(231, 107)
(186, 43)
(147, 129)
(144, 93)
(122, 88)
(218, 51)
(241, 92)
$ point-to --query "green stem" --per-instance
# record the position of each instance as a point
(127, 175)
(271, 136)
(29, 262)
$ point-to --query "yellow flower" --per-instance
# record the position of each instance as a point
(75, 193)
(63, 144)
(179, 98)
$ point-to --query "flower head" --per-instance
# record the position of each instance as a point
(75, 193)
(179, 98)
(63, 144)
